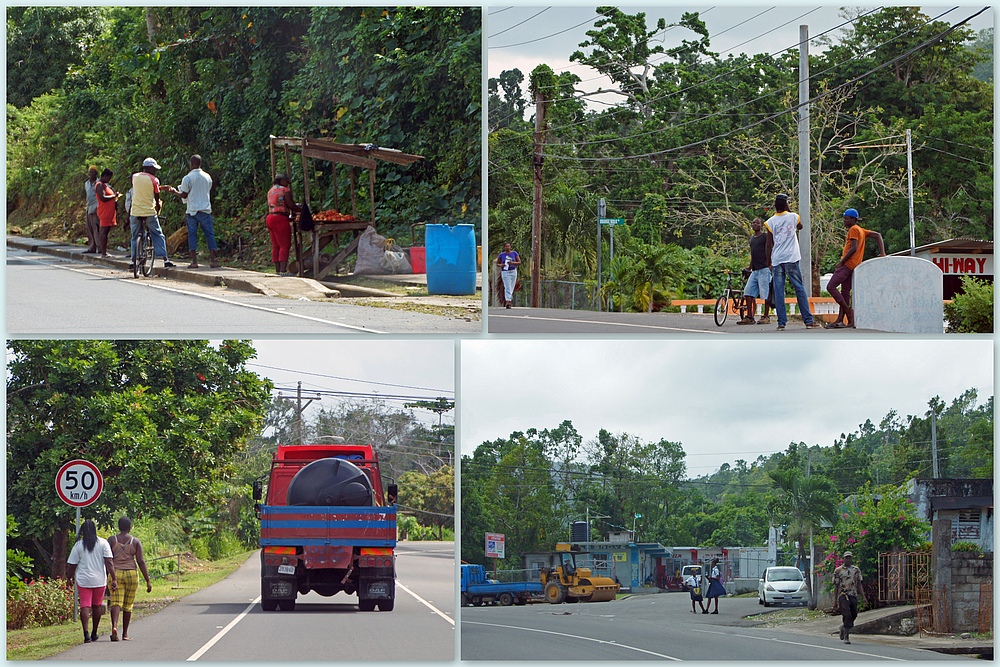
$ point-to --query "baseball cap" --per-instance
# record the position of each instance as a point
(150, 162)
(848, 553)
(851, 213)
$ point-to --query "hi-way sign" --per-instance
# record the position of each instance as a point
(611, 221)
(494, 545)
(79, 483)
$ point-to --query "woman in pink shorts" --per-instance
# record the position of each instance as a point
(90, 567)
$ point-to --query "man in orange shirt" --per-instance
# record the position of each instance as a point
(854, 254)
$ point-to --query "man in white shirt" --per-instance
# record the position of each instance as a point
(195, 190)
(783, 257)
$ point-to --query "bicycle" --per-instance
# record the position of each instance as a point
(142, 261)
(739, 304)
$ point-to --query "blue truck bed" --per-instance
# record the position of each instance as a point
(477, 589)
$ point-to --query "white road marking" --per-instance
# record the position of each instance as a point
(222, 633)
(427, 604)
(610, 324)
(785, 641)
(209, 297)
(589, 639)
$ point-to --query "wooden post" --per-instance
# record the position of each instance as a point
(538, 160)
(371, 192)
(354, 194)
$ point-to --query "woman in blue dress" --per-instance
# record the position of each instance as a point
(715, 587)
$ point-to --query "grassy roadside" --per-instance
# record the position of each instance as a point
(38, 643)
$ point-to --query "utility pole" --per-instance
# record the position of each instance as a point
(602, 212)
(934, 441)
(300, 408)
(909, 185)
(805, 240)
(538, 159)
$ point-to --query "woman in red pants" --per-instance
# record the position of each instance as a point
(281, 208)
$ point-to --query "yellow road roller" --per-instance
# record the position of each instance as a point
(564, 581)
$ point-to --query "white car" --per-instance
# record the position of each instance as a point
(782, 585)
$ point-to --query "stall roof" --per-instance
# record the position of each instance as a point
(959, 245)
(357, 154)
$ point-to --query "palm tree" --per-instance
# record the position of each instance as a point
(803, 502)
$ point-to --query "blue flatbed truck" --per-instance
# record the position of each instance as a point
(478, 589)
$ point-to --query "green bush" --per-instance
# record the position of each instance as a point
(968, 547)
(43, 602)
(972, 310)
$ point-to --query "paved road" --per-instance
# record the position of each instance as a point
(559, 321)
(223, 622)
(653, 627)
(52, 296)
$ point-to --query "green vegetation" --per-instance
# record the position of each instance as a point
(112, 85)
(533, 484)
(699, 144)
(971, 311)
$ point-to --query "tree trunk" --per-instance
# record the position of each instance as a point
(152, 25)
(57, 561)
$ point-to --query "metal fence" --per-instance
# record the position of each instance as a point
(933, 616)
(551, 294)
(901, 574)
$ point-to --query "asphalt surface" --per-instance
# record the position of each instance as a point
(55, 289)
(662, 627)
(225, 622)
(560, 321)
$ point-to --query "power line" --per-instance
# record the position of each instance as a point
(346, 379)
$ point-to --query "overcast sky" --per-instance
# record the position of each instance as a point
(415, 368)
(525, 36)
(722, 400)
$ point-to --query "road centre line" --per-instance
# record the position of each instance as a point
(222, 633)
(785, 641)
(212, 298)
(427, 604)
(589, 639)
(610, 324)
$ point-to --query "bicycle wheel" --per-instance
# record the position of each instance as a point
(721, 310)
(139, 260)
(148, 255)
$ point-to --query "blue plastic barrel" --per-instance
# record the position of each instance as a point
(450, 259)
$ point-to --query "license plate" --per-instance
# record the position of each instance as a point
(378, 589)
(286, 569)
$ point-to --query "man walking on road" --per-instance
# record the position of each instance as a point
(195, 190)
(759, 283)
(783, 255)
(93, 223)
(854, 254)
(848, 587)
(146, 204)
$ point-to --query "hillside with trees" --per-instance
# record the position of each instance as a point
(533, 484)
(698, 144)
(112, 85)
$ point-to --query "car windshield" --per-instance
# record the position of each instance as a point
(784, 574)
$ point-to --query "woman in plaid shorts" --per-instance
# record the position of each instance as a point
(127, 552)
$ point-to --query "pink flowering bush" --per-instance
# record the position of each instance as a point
(42, 602)
(877, 520)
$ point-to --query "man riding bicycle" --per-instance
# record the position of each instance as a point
(146, 206)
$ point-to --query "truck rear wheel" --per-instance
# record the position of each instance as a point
(268, 605)
(506, 599)
(366, 605)
(386, 605)
(286, 605)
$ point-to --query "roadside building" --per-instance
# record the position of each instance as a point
(957, 258)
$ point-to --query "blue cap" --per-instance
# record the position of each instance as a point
(851, 213)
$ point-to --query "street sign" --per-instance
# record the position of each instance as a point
(494, 545)
(79, 483)
(611, 221)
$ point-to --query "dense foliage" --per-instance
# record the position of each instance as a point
(532, 485)
(163, 421)
(699, 145)
(971, 311)
(218, 81)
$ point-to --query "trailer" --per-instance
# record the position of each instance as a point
(478, 589)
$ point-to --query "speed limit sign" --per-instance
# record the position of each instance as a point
(79, 483)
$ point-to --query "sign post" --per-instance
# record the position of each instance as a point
(611, 222)
(495, 549)
(78, 483)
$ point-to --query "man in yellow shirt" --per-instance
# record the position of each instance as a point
(854, 254)
(146, 205)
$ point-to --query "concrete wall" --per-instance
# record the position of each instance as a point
(900, 294)
(968, 572)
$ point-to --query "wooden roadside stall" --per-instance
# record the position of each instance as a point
(351, 156)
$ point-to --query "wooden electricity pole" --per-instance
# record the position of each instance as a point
(538, 159)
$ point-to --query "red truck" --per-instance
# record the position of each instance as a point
(327, 525)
